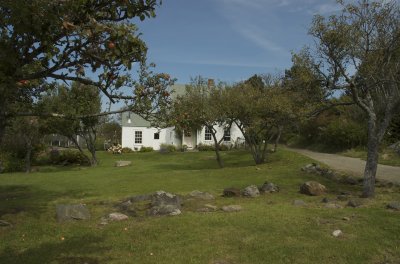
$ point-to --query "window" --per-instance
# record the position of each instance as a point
(207, 134)
(157, 135)
(227, 134)
(138, 137)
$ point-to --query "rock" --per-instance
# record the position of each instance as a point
(140, 198)
(128, 208)
(337, 233)
(333, 206)
(122, 163)
(394, 206)
(251, 191)
(346, 218)
(269, 187)
(104, 221)
(231, 192)
(312, 188)
(231, 208)
(349, 180)
(355, 203)
(72, 212)
(201, 195)
(117, 217)
(327, 200)
(164, 203)
(298, 203)
(4, 223)
(208, 208)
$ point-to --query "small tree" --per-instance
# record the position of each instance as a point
(201, 106)
(79, 105)
(358, 52)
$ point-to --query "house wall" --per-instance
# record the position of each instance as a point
(167, 136)
(235, 135)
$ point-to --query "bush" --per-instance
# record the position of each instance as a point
(146, 149)
(126, 150)
(167, 148)
(10, 163)
(64, 157)
(204, 147)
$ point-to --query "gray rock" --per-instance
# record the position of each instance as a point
(312, 188)
(128, 208)
(122, 163)
(251, 191)
(231, 192)
(394, 206)
(327, 200)
(346, 218)
(117, 217)
(211, 207)
(4, 223)
(299, 203)
(269, 187)
(355, 203)
(333, 206)
(72, 212)
(201, 195)
(231, 208)
(164, 203)
(141, 198)
(349, 180)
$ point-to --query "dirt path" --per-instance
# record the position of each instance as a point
(353, 165)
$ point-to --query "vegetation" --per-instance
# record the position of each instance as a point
(267, 226)
(358, 52)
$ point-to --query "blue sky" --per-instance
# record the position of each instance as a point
(229, 40)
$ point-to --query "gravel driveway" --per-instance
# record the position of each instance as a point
(353, 165)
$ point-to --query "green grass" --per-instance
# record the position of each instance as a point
(386, 157)
(268, 230)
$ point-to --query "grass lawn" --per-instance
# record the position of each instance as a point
(386, 157)
(269, 229)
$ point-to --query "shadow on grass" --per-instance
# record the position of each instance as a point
(75, 250)
(24, 198)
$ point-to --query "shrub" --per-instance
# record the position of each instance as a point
(167, 148)
(72, 157)
(126, 150)
(146, 149)
(10, 163)
(204, 147)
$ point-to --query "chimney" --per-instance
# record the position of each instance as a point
(210, 83)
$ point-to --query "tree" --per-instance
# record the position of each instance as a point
(79, 105)
(358, 52)
(259, 111)
(201, 106)
(44, 40)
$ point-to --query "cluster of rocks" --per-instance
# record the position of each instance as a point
(251, 191)
(122, 163)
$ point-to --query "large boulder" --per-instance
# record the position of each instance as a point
(164, 203)
(269, 187)
(231, 192)
(251, 191)
(231, 208)
(312, 188)
(68, 212)
(394, 206)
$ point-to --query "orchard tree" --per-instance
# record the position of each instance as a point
(358, 52)
(201, 106)
(259, 111)
(93, 42)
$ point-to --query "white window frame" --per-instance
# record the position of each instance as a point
(227, 134)
(207, 134)
(137, 137)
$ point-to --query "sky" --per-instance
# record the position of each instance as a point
(229, 40)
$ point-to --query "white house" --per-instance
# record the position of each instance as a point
(138, 133)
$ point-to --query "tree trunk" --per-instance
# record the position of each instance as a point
(278, 137)
(372, 160)
(73, 139)
(216, 144)
(28, 155)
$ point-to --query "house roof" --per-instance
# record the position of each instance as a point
(138, 121)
